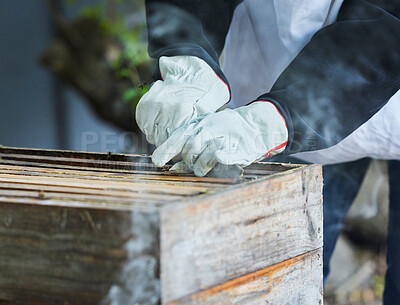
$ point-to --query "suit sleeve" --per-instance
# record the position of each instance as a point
(345, 74)
(189, 27)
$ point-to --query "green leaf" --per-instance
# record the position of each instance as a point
(134, 95)
(379, 285)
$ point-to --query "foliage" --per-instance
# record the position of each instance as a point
(135, 94)
(379, 285)
(125, 21)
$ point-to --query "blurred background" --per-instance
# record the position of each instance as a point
(71, 74)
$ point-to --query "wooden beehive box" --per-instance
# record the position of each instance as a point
(86, 228)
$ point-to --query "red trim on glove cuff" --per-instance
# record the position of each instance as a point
(227, 86)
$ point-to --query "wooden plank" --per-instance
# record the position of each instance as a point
(274, 285)
(99, 184)
(53, 172)
(73, 154)
(54, 255)
(164, 176)
(133, 166)
(49, 192)
(239, 230)
(113, 205)
(141, 164)
(123, 157)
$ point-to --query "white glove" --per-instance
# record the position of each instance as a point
(239, 136)
(190, 88)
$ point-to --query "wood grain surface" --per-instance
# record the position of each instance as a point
(296, 281)
(57, 255)
(249, 227)
(108, 229)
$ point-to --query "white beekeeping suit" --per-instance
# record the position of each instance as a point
(265, 36)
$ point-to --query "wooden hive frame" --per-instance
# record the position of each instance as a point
(89, 228)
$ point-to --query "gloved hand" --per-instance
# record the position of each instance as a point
(190, 88)
(239, 136)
